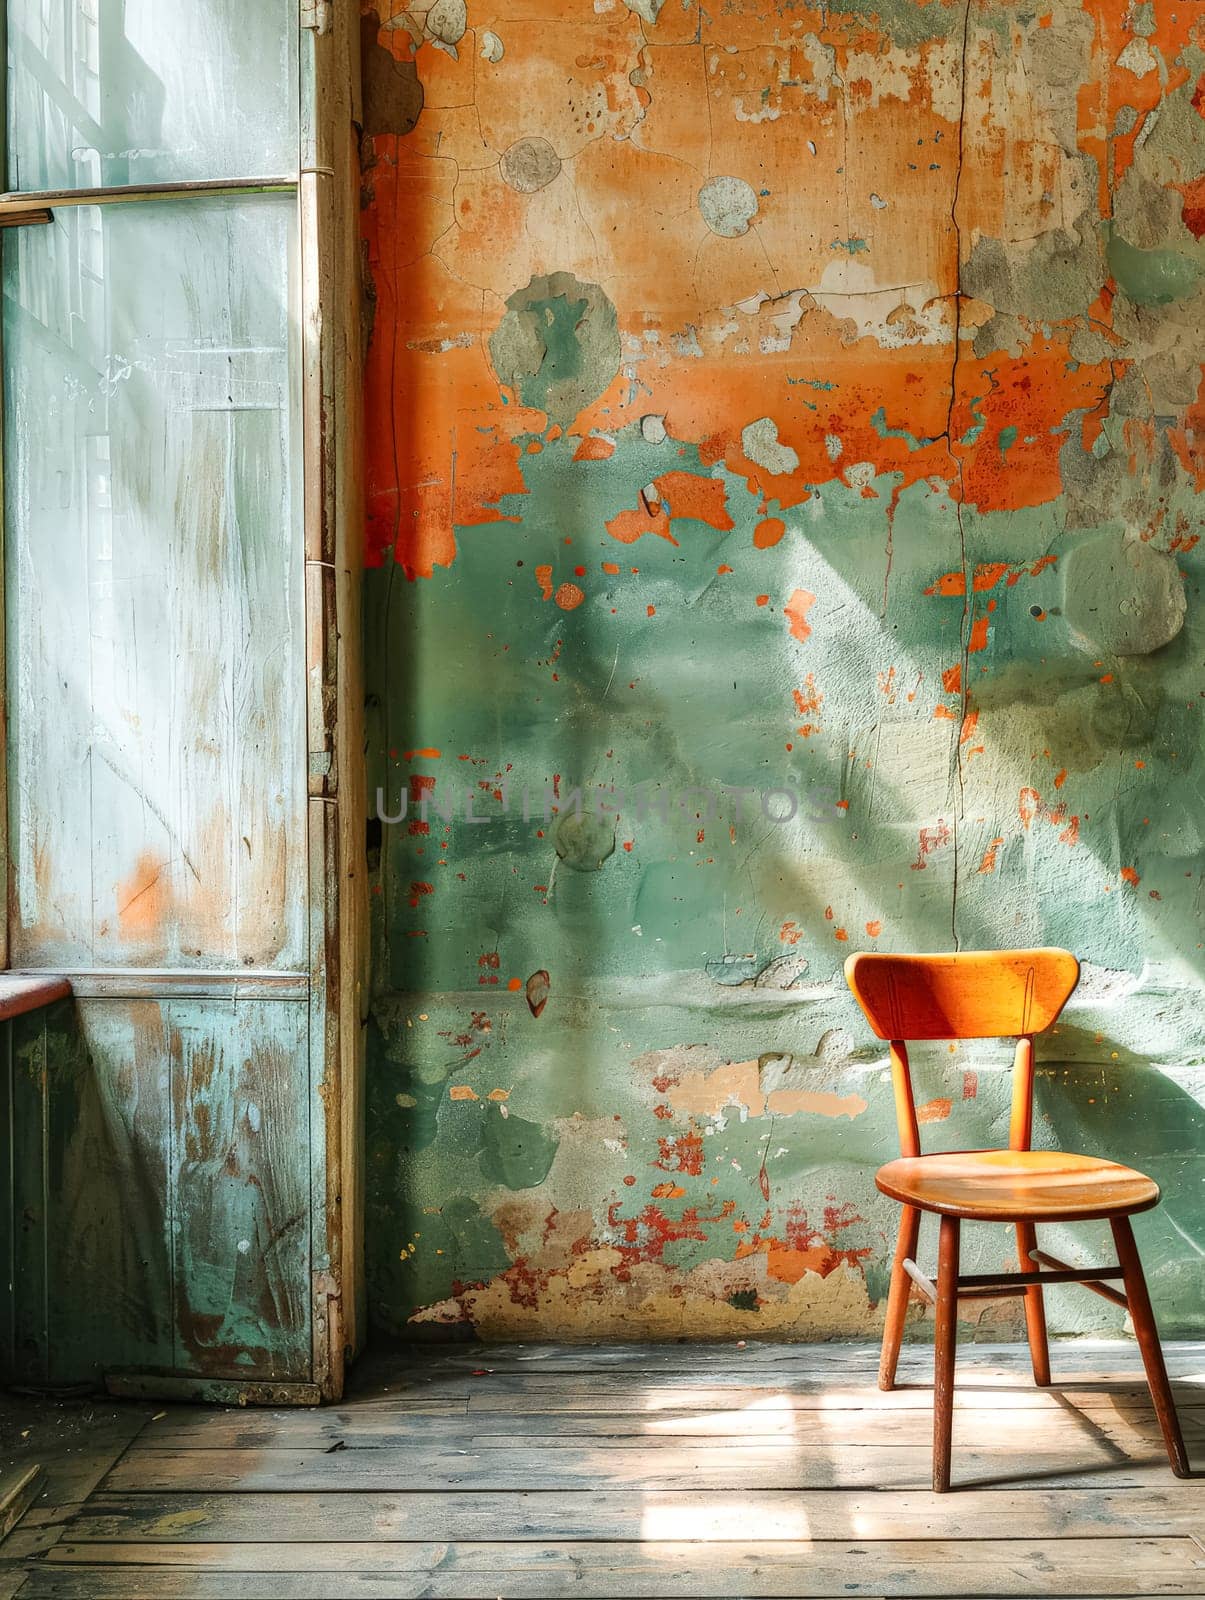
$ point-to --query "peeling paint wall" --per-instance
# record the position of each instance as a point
(802, 400)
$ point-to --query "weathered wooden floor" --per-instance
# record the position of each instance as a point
(642, 1471)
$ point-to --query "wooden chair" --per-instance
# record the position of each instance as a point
(987, 995)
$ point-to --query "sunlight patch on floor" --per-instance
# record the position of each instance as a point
(677, 1517)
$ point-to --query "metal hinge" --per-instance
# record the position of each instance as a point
(316, 14)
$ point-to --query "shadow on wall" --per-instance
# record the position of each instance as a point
(1142, 1117)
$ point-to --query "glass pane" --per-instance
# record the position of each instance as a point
(107, 92)
(154, 587)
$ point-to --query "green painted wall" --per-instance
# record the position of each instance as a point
(883, 498)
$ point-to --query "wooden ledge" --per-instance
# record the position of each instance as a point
(26, 991)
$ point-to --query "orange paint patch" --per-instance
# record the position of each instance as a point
(808, 698)
(978, 638)
(951, 680)
(1030, 807)
(1040, 386)
(934, 1110)
(1131, 877)
(461, 1091)
(987, 575)
(427, 346)
(426, 754)
(874, 929)
(569, 597)
(768, 533)
(762, 600)
(796, 612)
(696, 499)
(804, 1248)
(988, 863)
(808, 701)
(682, 1153)
(928, 840)
(667, 1191)
(543, 576)
(593, 448)
(143, 900)
(949, 583)
(675, 497)
(629, 526)
(1193, 210)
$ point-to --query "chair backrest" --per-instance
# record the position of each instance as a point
(970, 994)
(974, 994)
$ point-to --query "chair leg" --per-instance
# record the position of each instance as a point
(1035, 1310)
(945, 1333)
(1147, 1335)
(897, 1297)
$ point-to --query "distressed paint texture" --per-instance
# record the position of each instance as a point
(797, 398)
(157, 1213)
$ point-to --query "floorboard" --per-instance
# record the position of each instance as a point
(1131, 1426)
(667, 1513)
(693, 1471)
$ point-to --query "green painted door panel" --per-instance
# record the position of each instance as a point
(160, 1190)
(89, 1124)
(240, 1188)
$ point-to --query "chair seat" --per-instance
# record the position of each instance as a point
(1004, 1185)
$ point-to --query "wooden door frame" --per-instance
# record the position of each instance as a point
(333, 494)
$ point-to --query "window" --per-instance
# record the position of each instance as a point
(152, 485)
